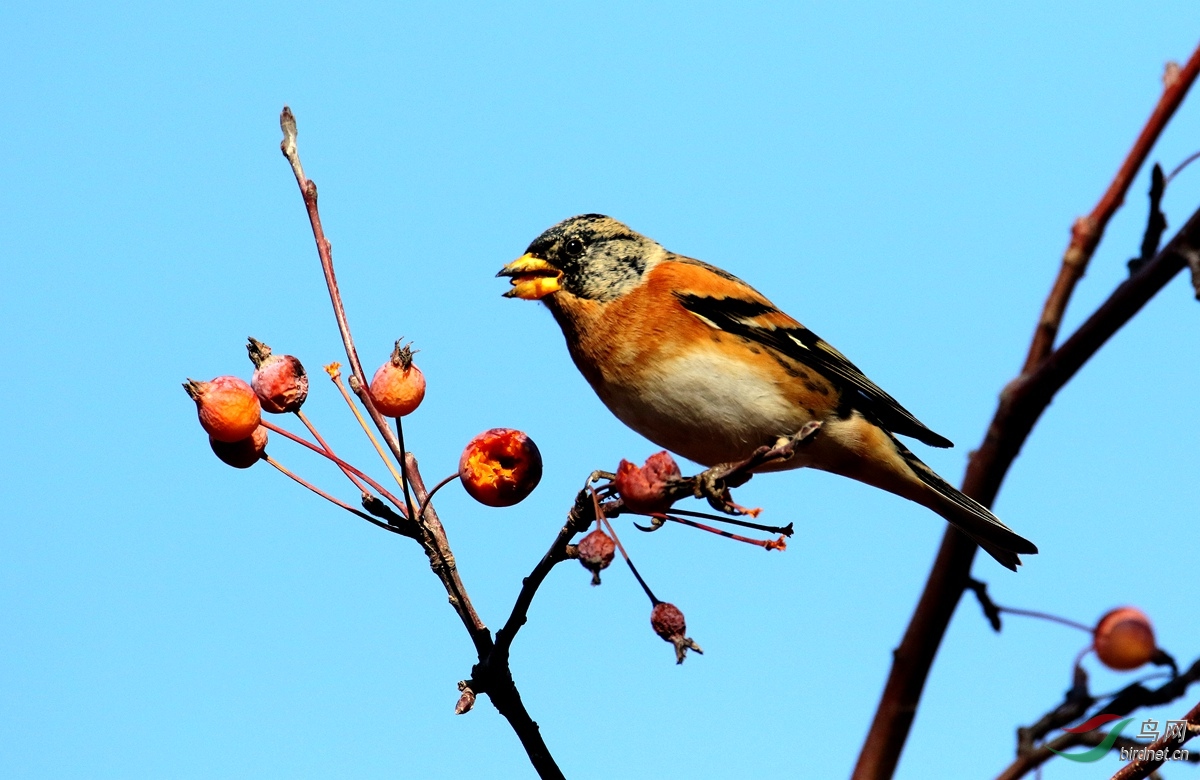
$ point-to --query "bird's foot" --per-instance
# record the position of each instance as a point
(713, 484)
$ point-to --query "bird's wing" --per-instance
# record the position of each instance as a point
(737, 308)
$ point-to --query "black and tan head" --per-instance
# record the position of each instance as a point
(590, 256)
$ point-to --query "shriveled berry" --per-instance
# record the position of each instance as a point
(500, 467)
(279, 380)
(646, 489)
(244, 453)
(228, 408)
(596, 551)
(667, 621)
(398, 387)
(1124, 639)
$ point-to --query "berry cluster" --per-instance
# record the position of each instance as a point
(499, 467)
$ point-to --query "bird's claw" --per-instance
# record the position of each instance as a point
(656, 522)
(713, 484)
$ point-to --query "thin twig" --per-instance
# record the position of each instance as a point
(1131, 698)
(437, 546)
(1087, 231)
(629, 562)
(325, 446)
(432, 493)
(335, 374)
(335, 460)
(330, 498)
(1136, 770)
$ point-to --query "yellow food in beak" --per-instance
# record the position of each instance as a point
(532, 278)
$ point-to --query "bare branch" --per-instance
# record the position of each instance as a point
(1136, 770)
(1087, 231)
(1021, 404)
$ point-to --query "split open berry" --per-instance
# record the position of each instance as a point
(228, 408)
(398, 386)
(596, 551)
(668, 623)
(646, 490)
(279, 380)
(1124, 639)
(500, 467)
(244, 453)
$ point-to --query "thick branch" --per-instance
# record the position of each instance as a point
(1021, 404)
(1087, 231)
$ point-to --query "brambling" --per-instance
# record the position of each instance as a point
(700, 363)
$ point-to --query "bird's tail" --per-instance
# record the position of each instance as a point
(970, 517)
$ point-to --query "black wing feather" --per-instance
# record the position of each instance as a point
(802, 345)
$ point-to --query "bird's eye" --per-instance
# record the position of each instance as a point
(573, 247)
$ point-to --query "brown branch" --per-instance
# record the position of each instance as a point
(1087, 231)
(1140, 768)
(582, 515)
(492, 674)
(1021, 404)
(433, 535)
(1133, 697)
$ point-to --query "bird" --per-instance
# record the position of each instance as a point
(705, 366)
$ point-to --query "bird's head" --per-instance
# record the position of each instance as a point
(590, 256)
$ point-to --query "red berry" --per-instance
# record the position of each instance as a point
(279, 380)
(596, 551)
(1124, 639)
(646, 490)
(228, 408)
(398, 387)
(667, 621)
(244, 453)
(500, 467)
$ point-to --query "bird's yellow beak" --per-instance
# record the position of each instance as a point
(532, 278)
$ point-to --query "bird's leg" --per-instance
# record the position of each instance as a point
(714, 483)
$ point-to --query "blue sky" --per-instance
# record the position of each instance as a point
(901, 180)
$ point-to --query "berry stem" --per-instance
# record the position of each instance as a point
(328, 497)
(632, 568)
(404, 472)
(320, 440)
(771, 529)
(769, 544)
(336, 375)
(429, 498)
(1045, 616)
(336, 460)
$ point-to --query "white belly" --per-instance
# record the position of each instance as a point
(706, 408)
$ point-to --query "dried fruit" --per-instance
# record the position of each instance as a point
(668, 623)
(228, 408)
(279, 380)
(244, 453)
(500, 467)
(398, 386)
(646, 489)
(596, 551)
(1124, 639)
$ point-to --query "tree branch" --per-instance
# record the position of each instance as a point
(492, 674)
(1140, 768)
(1087, 231)
(1131, 698)
(1021, 404)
